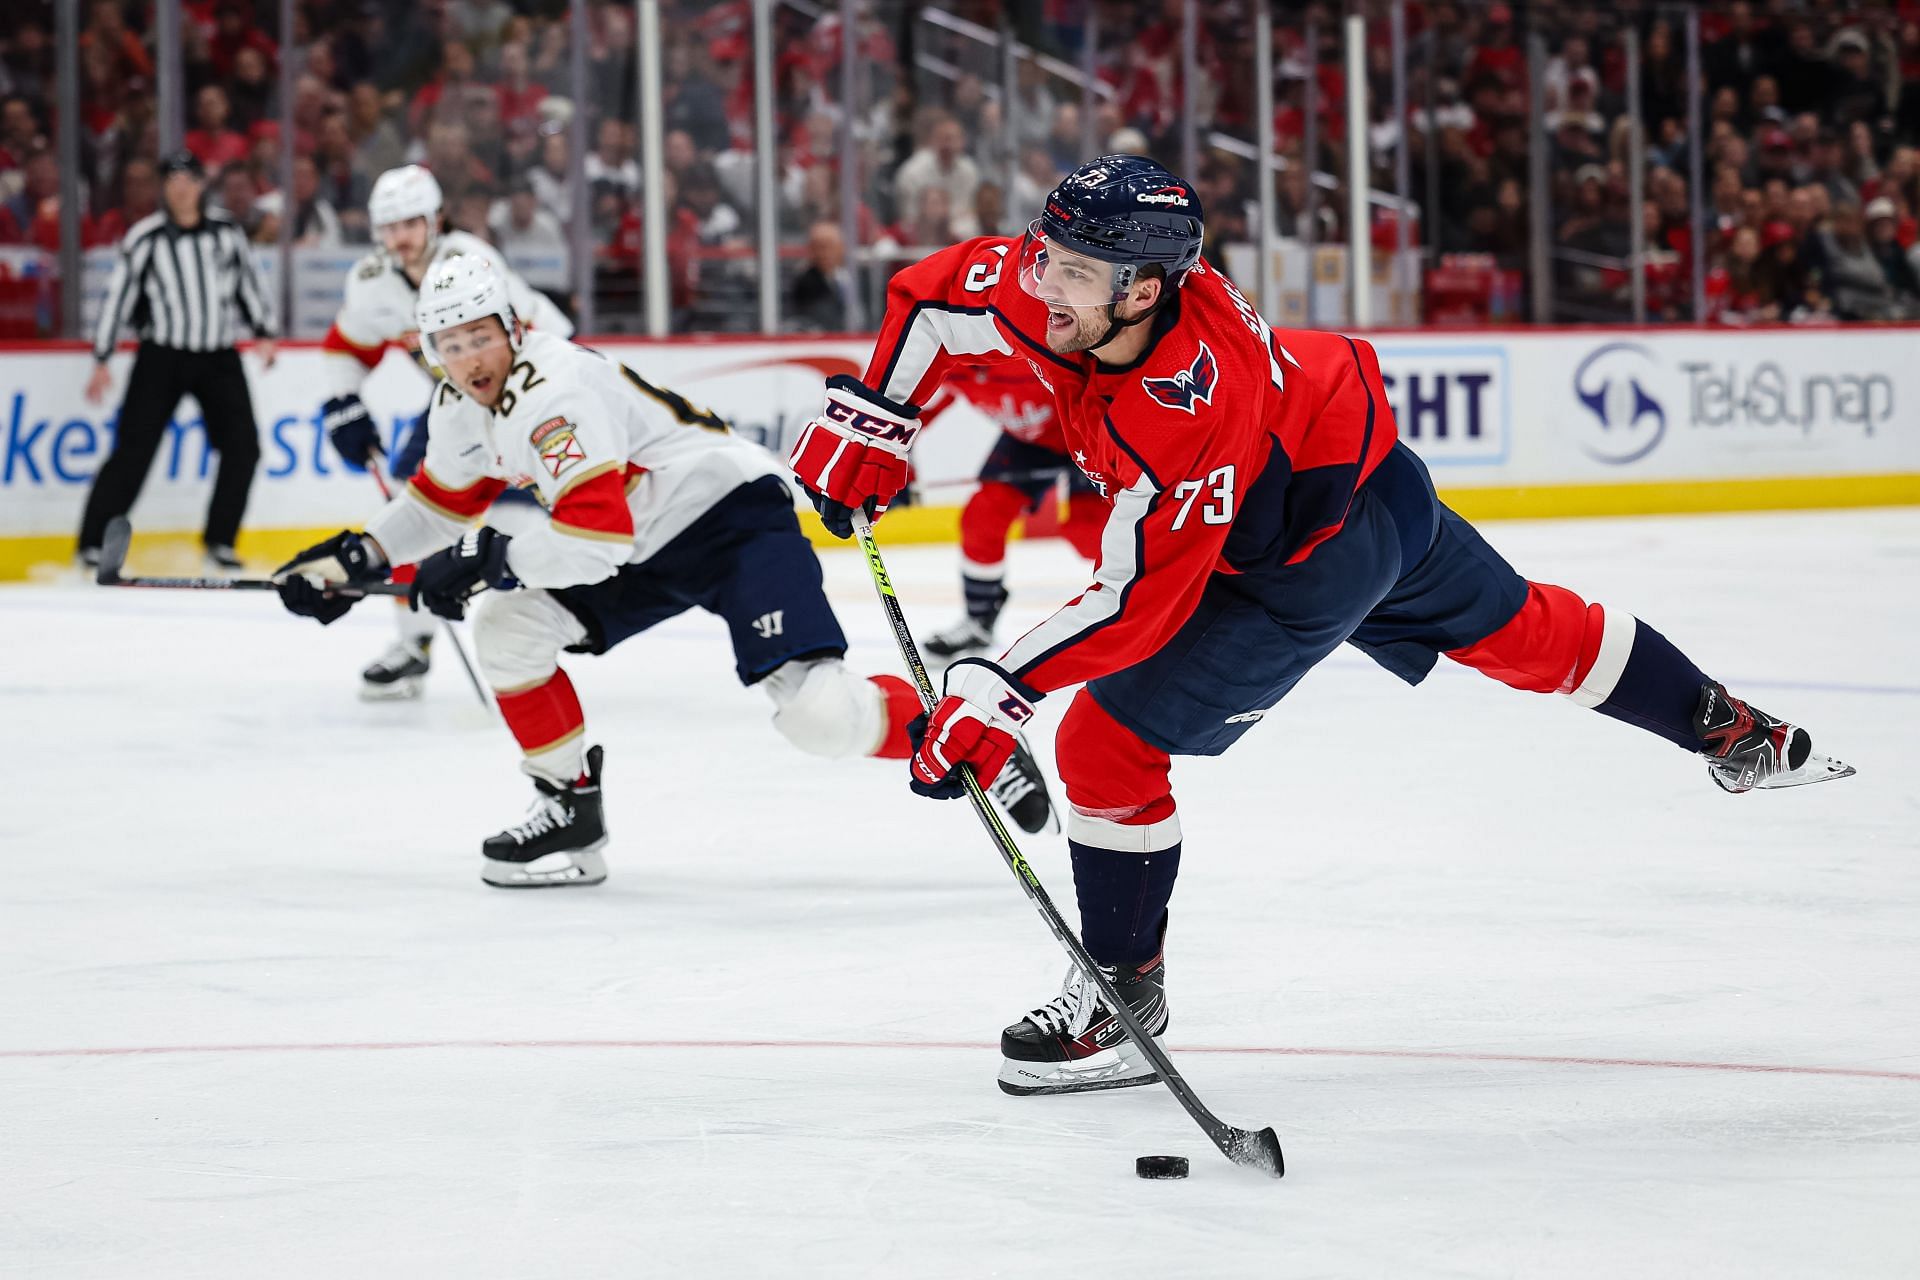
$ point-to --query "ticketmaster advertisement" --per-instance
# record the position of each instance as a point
(1490, 411)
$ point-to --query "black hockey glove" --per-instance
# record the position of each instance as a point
(445, 579)
(308, 581)
(351, 429)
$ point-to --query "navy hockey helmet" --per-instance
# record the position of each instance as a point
(1125, 211)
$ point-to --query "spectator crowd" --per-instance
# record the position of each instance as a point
(1810, 141)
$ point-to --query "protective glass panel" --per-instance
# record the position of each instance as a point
(30, 175)
(1591, 183)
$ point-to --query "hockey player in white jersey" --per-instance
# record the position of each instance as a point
(378, 310)
(653, 508)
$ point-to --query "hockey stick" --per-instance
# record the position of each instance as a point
(113, 557)
(453, 637)
(1256, 1150)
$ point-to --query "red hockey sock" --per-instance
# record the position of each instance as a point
(1086, 517)
(903, 704)
(545, 718)
(1547, 647)
(985, 522)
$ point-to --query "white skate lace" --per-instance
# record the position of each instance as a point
(400, 655)
(1070, 1012)
(965, 633)
(543, 815)
(1012, 786)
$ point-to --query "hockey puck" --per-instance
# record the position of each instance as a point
(1160, 1166)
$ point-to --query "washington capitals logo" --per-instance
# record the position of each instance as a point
(1192, 385)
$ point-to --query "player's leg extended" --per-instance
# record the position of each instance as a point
(1124, 838)
(1609, 660)
(1465, 600)
(518, 638)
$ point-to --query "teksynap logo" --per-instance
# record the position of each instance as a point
(1628, 398)
(1611, 384)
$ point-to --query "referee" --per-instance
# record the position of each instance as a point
(180, 274)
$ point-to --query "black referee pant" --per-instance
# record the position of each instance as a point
(161, 376)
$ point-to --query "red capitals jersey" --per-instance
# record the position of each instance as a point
(1008, 395)
(1225, 448)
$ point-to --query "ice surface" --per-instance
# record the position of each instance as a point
(1475, 954)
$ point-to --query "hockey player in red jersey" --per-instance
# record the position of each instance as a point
(653, 507)
(1021, 471)
(1262, 513)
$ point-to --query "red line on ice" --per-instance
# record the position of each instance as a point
(1429, 1055)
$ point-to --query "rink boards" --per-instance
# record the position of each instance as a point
(1531, 423)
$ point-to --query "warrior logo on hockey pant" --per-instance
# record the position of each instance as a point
(769, 624)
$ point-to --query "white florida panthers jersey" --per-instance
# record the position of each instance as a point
(623, 466)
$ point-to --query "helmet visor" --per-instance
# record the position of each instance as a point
(1060, 277)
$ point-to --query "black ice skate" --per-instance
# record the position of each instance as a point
(222, 562)
(560, 841)
(400, 672)
(965, 638)
(1747, 749)
(1021, 792)
(973, 634)
(1074, 1044)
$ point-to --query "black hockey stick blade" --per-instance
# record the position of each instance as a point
(113, 551)
(1252, 1150)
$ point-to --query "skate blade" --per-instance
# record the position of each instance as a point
(399, 691)
(580, 867)
(1121, 1068)
(1816, 769)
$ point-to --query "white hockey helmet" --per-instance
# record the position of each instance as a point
(407, 192)
(462, 288)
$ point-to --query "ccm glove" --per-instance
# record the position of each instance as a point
(351, 429)
(443, 581)
(855, 453)
(309, 582)
(973, 724)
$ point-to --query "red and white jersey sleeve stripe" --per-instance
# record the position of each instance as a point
(960, 306)
(587, 537)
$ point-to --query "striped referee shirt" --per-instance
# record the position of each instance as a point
(179, 286)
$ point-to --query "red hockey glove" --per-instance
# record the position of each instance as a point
(973, 724)
(855, 453)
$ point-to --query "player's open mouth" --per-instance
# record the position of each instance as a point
(480, 384)
(1059, 320)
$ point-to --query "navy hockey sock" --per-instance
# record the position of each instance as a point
(985, 598)
(1658, 689)
(1123, 900)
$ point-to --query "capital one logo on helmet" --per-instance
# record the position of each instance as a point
(1165, 195)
